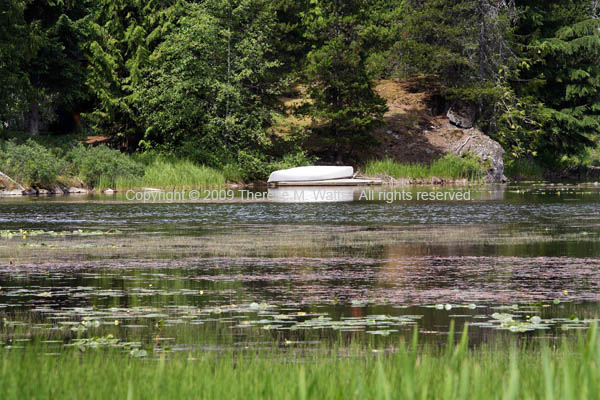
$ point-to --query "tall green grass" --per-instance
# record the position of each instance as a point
(170, 174)
(538, 371)
(447, 167)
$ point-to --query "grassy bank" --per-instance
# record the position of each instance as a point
(411, 372)
(41, 165)
(447, 167)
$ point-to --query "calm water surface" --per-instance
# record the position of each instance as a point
(160, 277)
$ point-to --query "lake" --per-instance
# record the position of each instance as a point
(262, 269)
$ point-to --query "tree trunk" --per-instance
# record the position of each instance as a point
(33, 119)
(340, 153)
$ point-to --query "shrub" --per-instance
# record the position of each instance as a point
(523, 170)
(102, 165)
(30, 164)
(253, 167)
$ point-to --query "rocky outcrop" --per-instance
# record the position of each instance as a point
(461, 114)
(420, 128)
(58, 190)
(7, 182)
(484, 147)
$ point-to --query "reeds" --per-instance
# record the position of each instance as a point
(411, 371)
(447, 167)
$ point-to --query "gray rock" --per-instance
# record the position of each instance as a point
(58, 190)
(488, 150)
(108, 191)
(29, 192)
(76, 190)
(43, 191)
(14, 192)
(461, 114)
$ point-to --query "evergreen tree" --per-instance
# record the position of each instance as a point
(211, 85)
(14, 51)
(122, 34)
(40, 60)
(564, 46)
(338, 85)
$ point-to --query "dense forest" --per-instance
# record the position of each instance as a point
(204, 80)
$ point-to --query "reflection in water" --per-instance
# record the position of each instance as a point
(195, 274)
(315, 194)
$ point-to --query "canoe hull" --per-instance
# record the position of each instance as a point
(312, 173)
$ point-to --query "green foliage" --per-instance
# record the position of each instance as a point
(447, 167)
(30, 164)
(172, 174)
(254, 166)
(121, 35)
(412, 371)
(95, 165)
(201, 79)
(211, 82)
(561, 78)
(523, 170)
(341, 92)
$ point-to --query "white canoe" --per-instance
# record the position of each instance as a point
(312, 173)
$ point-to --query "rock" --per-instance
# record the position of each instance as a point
(149, 189)
(490, 152)
(108, 191)
(11, 182)
(14, 192)
(58, 190)
(76, 190)
(43, 191)
(29, 192)
(461, 114)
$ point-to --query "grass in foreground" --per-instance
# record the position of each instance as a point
(447, 167)
(411, 372)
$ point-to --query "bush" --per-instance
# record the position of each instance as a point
(523, 170)
(30, 164)
(255, 167)
(102, 165)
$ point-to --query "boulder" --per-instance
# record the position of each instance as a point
(8, 182)
(58, 190)
(461, 114)
(490, 152)
(43, 191)
(14, 192)
(76, 190)
(108, 191)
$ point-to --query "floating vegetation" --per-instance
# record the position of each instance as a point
(25, 233)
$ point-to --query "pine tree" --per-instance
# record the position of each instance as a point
(338, 85)
(14, 84)
(122, 34)
(564, 74)
(211, 84)
(40, 61)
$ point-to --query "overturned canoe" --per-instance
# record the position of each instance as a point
(312, 173)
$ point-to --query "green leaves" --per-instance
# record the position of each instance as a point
(338, 84)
